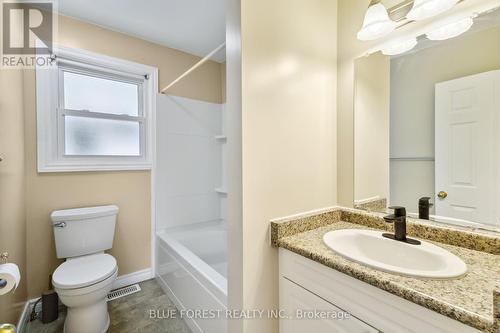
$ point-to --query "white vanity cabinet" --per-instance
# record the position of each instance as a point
(307, 286)
(295, 298)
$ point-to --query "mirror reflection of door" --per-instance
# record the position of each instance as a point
(467, 147)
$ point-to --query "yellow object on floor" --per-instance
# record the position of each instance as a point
(7, 328)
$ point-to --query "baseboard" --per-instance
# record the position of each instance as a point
(28, 308)
(132, 278)
(120, 282)
(25, 316)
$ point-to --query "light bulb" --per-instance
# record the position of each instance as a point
(423, 9)
(376, 23)
(451, 30)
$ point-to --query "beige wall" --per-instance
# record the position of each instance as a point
(289, 52)
(129, 190)
(12, 187)
(371, 130)
(202, 84)
(223, 82)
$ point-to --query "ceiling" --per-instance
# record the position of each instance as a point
(193, 26)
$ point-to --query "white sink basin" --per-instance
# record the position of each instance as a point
(370, 248)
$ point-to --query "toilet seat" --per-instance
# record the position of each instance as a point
(84, 271)
(85, 291)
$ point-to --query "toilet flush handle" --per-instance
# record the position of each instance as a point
(60, 225)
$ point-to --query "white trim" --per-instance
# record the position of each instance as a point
(49, 159)
(92, 167)
(366, 200)
(24, 318)
(132, 278)
(153, 191)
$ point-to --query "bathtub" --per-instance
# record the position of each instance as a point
(191, 267)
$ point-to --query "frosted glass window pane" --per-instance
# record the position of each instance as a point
(92, 136)
(83, 92)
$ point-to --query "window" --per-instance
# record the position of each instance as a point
(94, 113)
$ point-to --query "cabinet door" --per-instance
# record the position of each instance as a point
(300, 304)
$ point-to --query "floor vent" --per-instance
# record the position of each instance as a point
(122, 292)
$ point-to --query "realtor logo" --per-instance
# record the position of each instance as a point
(23, 23)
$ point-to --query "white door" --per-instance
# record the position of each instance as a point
(467, 146)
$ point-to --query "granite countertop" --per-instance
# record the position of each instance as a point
(473, 299)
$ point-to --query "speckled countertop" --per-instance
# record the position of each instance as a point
(473, 299)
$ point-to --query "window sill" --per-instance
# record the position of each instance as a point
(94, 168)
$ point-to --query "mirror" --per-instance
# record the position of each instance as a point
(427, 124)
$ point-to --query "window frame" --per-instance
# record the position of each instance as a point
(51, 112)
(62, 112)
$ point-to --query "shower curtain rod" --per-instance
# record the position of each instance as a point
(198, 64)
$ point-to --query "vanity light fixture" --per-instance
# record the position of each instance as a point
(451, 30)
(423, 9)
(376, 23)
(400, 47)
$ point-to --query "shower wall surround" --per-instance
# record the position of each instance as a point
(189, 161)
(191, 233)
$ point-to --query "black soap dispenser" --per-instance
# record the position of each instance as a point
(424, 206)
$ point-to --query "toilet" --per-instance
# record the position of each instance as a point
(86, 277)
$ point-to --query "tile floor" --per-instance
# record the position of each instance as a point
(129, 314)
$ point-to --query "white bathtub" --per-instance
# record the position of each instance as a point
(192, 269)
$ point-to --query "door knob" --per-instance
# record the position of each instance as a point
(442, 194)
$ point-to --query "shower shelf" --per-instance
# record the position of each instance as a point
(221, 190)
(221, 138)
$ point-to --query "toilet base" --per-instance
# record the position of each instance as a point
(87, 307)
(87, 319)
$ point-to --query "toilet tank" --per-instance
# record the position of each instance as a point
(82, 231)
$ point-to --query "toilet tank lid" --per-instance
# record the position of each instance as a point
(83, 213)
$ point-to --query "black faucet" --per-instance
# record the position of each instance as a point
(423, 208)
(399, 220)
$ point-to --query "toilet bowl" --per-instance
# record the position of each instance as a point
(87, 276)
(82, 285)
